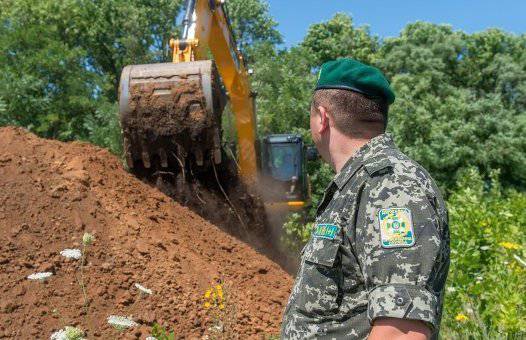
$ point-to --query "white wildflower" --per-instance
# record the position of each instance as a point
(484, 247)
(216, 328)
(68, 333)
(143, 289)
(59, 335)
(451, 289)
(121, 322)
(150, 338)
(71, 253)
(40, 276)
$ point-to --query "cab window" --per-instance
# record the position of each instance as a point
(284, 161)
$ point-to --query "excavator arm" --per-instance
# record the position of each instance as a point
(207, 31)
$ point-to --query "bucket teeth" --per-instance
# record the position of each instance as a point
(145, 156)
(163, 157)
(128, 152)
(181, 154)
(198, 153)
(146, 159)
(217, 147)
(129, 160)
(217, 156)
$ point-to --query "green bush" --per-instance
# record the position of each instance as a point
(295, 233)
(485, 290)
(104, 128)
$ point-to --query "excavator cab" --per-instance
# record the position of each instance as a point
(283, 173)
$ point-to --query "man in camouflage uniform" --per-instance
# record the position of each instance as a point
(377, 261)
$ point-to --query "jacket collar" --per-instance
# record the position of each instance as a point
(369, 150)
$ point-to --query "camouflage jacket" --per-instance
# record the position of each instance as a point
(379, 248)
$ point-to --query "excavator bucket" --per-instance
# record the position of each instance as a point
(170, 115)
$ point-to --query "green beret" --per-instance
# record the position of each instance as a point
(350, 74)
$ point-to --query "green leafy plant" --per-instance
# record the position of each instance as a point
(296, 232)
(485, 289)
(160, 333)
(104, 129)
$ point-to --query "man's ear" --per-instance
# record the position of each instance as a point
(324, 119)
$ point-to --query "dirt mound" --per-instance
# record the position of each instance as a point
(51, 193)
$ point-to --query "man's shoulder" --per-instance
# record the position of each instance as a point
(395, 181)
(391, 167)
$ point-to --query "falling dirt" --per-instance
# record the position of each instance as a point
(51, 193)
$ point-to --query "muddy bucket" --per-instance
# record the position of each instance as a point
(170, 114)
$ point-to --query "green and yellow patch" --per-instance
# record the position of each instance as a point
(396, 228)
(326, 230)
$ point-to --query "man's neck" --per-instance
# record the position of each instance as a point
(343, 150)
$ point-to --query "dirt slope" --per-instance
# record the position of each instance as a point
(51, 193)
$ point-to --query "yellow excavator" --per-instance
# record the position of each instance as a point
(170, 113)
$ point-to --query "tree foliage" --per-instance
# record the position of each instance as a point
(283, 82)
(337, 38)
(252, 23)
(460, 98)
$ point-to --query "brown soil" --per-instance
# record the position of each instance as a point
(51, 193)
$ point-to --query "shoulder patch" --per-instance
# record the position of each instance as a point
(326, 230)
(396, 228)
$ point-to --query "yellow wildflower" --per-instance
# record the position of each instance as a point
(214, 297)
(461, 317)
(510, 245)
(219, 290)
